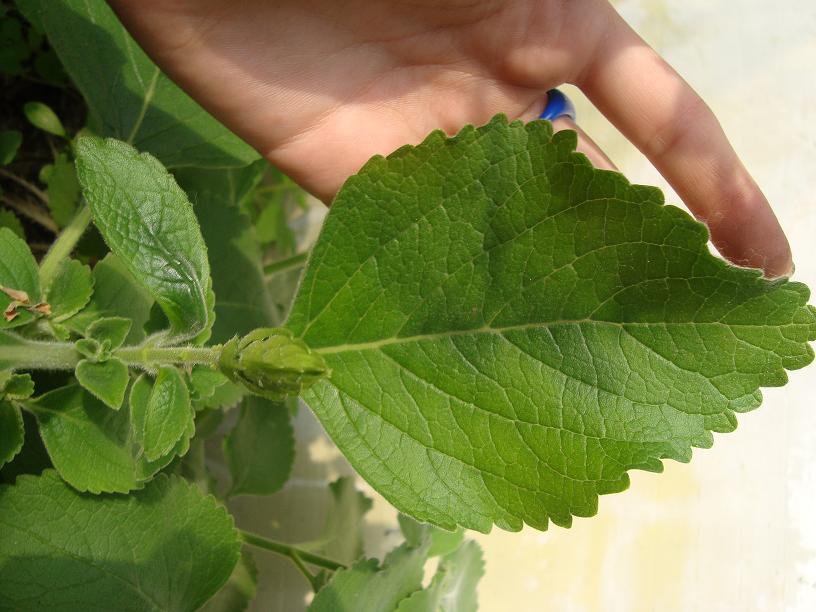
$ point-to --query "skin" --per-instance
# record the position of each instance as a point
(319, 86)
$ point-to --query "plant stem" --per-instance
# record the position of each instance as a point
(289, 551)
(282, 265)
(32, 211)
(24, 183)
(295, 557)
(159, 355)
(36, 355)
(64, 244)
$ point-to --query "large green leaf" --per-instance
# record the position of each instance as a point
(93, 447)
(260, 448)
(147, 221)
(166, 548)
(510, 330)
(128, 97)
(242, 300)
(369, 587)
(453, 588)
(167, 414)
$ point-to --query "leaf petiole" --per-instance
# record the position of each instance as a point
(289, 551)
(64, 244)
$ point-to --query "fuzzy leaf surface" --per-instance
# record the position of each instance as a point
(510, 330)
(93, 447)
(128, 96)
(12, 432)
(18, 271)
(168, 413)
(166, 548)
(70, 290)
(147, 220)
(107, 380)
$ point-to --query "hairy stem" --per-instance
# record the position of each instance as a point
(36, 355)
(41, 195)
(282, 265)
(165, 355)
(64, 244)
(289, 551)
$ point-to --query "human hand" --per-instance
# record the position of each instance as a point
(319, 86)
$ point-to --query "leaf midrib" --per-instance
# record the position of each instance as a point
(396, 340)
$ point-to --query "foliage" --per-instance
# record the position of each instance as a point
(492, 331)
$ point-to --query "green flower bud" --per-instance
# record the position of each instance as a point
(271, 362)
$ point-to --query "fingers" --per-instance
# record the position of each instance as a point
(658, 111)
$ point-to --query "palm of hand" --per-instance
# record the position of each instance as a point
(375, 74)
(319, 86)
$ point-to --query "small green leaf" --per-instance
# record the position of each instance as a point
(41, 116)
(167, 548)
(10, 141)
(63, 188)
(148, 222)
(203, 383)
(116, 292)
(92, 446)
(107, 380)
(453, 587)
(70, 290)
(112, 329)
(260, 448)
(88, 347)
(367, 586)
(236, 595)
(168, 413)
(9, 220)
(12, 433)
(510, 330)
(442, 541)
(16, 386)
(128, 97)
(18, 271)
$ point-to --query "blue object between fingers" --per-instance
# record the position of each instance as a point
(558, 105)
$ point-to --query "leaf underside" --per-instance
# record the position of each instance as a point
(510, 330)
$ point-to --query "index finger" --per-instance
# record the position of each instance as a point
(666, 119)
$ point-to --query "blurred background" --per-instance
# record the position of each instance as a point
(731, 531)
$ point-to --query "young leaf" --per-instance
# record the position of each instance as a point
(116, 292)
(41, 116)
(10, 141)
(92, 446)
(367, 586)
(453, 588)
(70, 290)
(260, 449)
(112, 329)
(168, 547)
(12, 433)
(16, 386)
(63, 188)
(144, 107)
(148, 222)
(18, 272)
(442, 542)
(107, 380)
(168, 413)
(510, 330)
